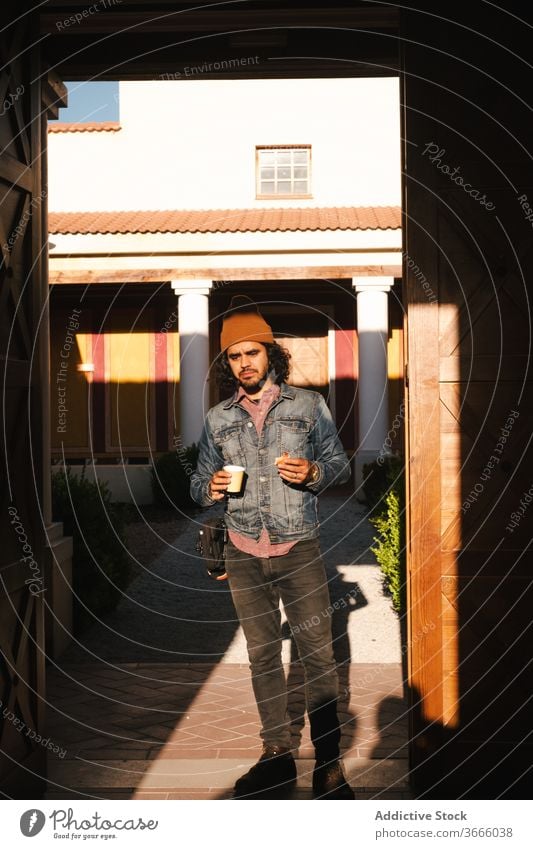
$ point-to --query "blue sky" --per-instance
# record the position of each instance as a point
(91, 101)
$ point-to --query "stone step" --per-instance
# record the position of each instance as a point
(199, 794)
(168, 776)
(54, 532)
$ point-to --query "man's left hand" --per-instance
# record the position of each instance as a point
(296, 470)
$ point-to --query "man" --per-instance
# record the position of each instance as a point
(287, 442)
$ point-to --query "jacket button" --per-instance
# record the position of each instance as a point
(262, 479)
(250, 424)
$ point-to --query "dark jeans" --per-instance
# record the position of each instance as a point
(298, 578)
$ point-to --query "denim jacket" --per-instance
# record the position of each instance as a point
(299, 422)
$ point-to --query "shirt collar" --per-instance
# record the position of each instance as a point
(271, 393)
(286, 391)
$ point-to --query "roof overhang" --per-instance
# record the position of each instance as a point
(133, 40)
(221, 255)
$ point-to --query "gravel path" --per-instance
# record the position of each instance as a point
(173, 612)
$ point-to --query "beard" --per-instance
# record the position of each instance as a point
(253, 384)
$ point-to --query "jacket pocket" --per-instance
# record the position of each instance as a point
(293, 436)
(229, 442)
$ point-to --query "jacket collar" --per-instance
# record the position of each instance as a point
(286, 391)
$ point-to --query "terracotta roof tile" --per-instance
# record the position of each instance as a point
(84, 127)
(227, 220)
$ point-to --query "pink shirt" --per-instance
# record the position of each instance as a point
(258, 411)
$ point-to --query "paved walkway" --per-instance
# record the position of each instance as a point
(156, 700)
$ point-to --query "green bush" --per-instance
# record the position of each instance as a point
(101, 565)
(385, 491)
(171, 477)
(389, 551)
(378, 478)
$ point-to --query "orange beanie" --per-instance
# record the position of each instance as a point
(245, 325)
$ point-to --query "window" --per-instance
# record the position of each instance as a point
(283, 171)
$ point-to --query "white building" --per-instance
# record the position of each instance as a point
(288, 191)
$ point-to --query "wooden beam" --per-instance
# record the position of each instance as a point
(79, 67)
(15, 173)
(465, 369)
(54, 94)
(76, 19)
(422, 432)
(158, 275)
(16, 373)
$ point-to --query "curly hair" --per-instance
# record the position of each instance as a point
(278, 367)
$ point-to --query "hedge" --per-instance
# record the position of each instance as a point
(384, 488)
(101, 565)
(171, 477)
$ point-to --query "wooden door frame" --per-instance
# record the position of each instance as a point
(423, 470)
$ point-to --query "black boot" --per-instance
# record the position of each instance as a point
(272, 777)
(329, 781)
(325, 731)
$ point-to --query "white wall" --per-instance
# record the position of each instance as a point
(191, 145)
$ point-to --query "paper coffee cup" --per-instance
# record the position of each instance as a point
(237, 473)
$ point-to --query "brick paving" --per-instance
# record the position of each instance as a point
(188, 730)
(159, 717)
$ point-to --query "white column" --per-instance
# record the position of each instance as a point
(372, 335)
(193, 326)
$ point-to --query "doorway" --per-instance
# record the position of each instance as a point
(450, 566)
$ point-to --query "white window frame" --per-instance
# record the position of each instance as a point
(282, 147)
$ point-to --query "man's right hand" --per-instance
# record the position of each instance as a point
(218, 484)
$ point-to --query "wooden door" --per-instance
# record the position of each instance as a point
(23, 341)
(306, 338)
(469, 401)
